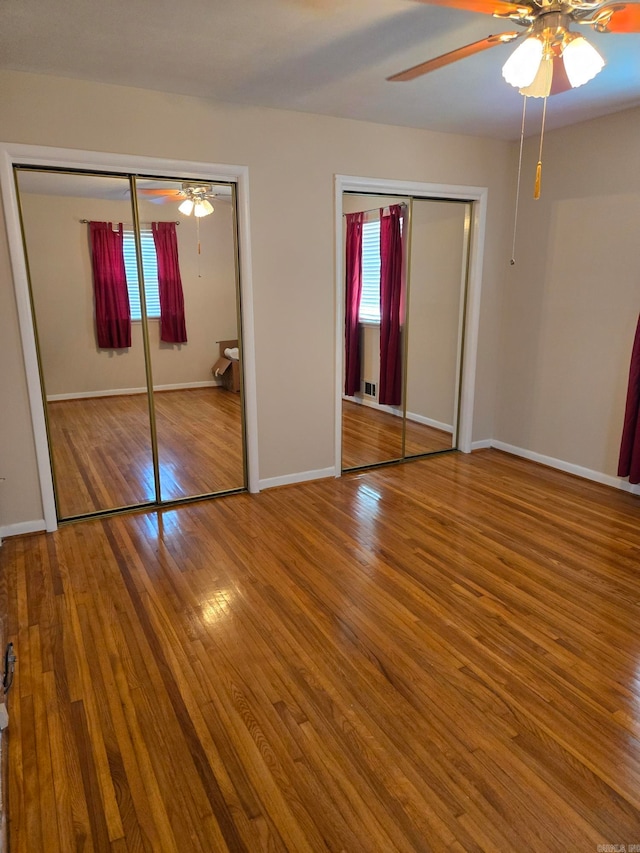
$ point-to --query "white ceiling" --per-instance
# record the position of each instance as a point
(322, 56)
(76, 185)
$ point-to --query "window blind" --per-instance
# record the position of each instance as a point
(149, 268)
(370, 298)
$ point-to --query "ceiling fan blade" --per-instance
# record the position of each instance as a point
(617, 18)
(166, 193)
(453, 56)
(486, 7)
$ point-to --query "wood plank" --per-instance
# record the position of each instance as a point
(97, 818)
(49, 820)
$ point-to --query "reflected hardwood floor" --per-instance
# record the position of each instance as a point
(441, 656)
(102, 448)
(370, 435)
(199, 441)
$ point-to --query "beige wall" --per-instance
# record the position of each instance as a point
(572, 299)
(292, 159)
(61, 277)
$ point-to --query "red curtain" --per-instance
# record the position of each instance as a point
(353, 293)
(113, 315)
(172, 324)
(629, 463)
(391, 307)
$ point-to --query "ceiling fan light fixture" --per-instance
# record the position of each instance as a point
(540, 87)
(581, 61)
(202, 208)
(522, 66)
(186, 207)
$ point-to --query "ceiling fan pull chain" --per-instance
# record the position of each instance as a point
(515, 215)
(198, 242)
(536, 189)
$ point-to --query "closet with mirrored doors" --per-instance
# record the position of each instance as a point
(406, 269)
(134, 285)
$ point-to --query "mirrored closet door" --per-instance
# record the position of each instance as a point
(135, 301)
(198, 424)
(437, 276)
(406, 269)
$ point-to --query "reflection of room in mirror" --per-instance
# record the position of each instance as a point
(97, 407)
(102, 447)
(438, 268)
(208, 422)
(373, 434)
(435, 244)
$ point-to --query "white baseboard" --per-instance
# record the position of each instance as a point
(300, 477)
(483, 444)
(394, 410)
(371, 403)
(23, 527)
(569, 467)
(123, 392)
(420, 419)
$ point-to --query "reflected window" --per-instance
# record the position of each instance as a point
(370, 299)
(369, 311)
(149, 268)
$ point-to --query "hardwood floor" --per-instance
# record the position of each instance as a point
(102, 448)
(371, 435)
(442, 656)
(199, 441)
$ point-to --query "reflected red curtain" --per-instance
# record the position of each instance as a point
(629, 463)
(353, 294)
(111, 297)
(390, 391)
(172, 323)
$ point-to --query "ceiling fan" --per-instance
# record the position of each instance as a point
(552, 58)
(195, 197)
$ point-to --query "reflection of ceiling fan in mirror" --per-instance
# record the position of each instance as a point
(552, 58)
(195, 197)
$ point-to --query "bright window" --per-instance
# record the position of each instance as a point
(370, 298)
(150, 269)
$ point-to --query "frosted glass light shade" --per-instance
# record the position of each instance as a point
(522, 66)
(541, 84)
(581, 61)
(186, 207)
(203, 208)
